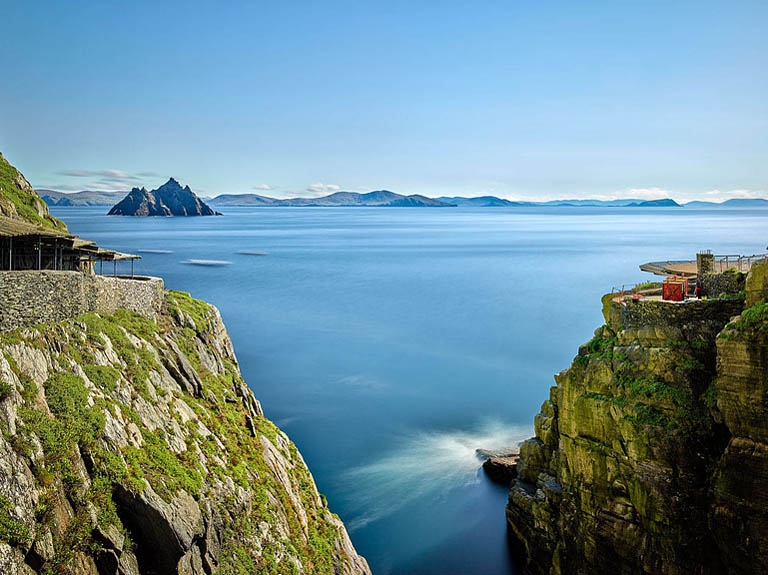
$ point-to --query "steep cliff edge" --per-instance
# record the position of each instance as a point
(131, 446)
(651, 454)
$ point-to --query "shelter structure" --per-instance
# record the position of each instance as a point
(25, 246)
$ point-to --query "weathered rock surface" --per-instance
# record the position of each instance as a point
(132, 446)
(19, 201)
(651, 453)
(502, 469)
(170, 199)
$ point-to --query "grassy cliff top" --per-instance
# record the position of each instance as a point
(19, 201)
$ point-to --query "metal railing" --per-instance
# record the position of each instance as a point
(736, 261)
(636, 290)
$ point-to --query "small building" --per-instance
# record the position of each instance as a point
(25, 246)
(674, 289)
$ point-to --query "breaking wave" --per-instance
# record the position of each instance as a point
(425, 463)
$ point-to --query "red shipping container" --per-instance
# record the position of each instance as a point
(674, 289)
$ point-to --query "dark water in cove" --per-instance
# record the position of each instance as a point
(390, 343)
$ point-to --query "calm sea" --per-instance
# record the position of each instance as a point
(390, 343)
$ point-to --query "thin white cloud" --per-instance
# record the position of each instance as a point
(61, 187)
(323, 189)
(263, 187)
(109, 174)
(93, 186)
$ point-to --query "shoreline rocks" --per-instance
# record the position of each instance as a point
(500, 466)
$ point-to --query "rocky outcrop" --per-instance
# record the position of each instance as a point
(133, 446)
(20, 202)
(650, 454)
(170, 199)
(502, 468)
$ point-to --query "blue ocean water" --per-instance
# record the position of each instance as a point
(390, 343)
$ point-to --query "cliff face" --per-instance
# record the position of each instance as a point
(650, 455)
(134, 447)
(170, 199)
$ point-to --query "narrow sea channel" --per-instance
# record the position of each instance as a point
(390, 343)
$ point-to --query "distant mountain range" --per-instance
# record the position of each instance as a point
(381, 198)
(384, 198)
(482, 202)
(734, 203)
(85, 198)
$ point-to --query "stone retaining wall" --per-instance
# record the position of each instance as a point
(657, 313)
(728, 283)
(30, 297)
(631, 314)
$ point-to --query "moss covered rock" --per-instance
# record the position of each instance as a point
(650, 454)
(20, 202)
(134, 446)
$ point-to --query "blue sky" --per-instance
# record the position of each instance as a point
(524, 100)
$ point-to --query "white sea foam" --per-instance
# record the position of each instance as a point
(425, 463)
(148, 251)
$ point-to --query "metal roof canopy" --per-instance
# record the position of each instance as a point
(11, 228)
(114, 256)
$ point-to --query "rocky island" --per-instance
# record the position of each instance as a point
(170, 199)
(651, 453)
(131, 445)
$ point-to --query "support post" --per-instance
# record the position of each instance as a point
(10, 253)
(39, 255)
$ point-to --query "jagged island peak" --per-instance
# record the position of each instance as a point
(170, 199)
